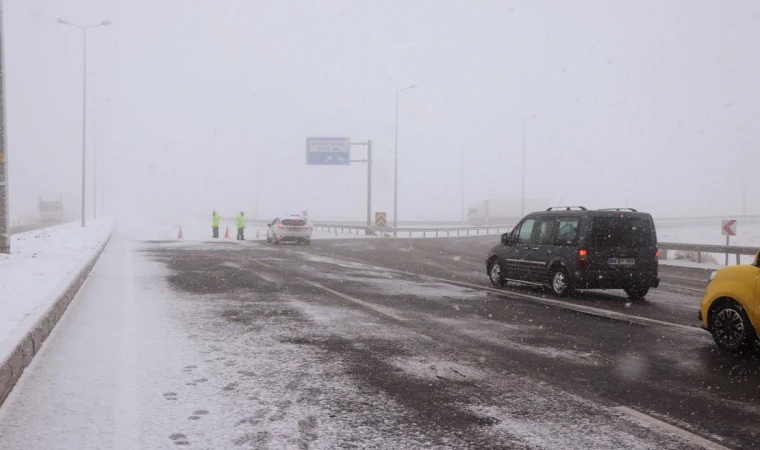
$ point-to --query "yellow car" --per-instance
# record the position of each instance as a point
(730, 308)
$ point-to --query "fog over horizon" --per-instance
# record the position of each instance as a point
(201, 105)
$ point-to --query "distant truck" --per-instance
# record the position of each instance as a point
(503, 210)
(51, 211)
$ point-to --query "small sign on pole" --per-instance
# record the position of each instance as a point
(728, 229)
(381, 219)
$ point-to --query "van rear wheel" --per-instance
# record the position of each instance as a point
(637, 293)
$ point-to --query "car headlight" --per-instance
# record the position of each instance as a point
(712, 275)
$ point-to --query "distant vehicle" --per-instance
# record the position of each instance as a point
(574, 248)
(502, 210)
(51, 211)
(729, 308)
(290, 228)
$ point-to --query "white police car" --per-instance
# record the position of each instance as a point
(289, 228)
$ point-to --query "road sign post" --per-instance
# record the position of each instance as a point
(381, 219)
(369, 178)
(322, 151)
(728, 229)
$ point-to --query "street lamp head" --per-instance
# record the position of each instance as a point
(105, 22)
(412, 86)
(62, 21)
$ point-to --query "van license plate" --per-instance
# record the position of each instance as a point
(621, 261)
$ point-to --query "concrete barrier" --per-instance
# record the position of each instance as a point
(21, 356)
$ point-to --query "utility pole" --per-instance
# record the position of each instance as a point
(369, 183)
(522, 188)
(84, 102)
(744, 189)
(369, 177)
(395, 165)
(5, 232)
(461, 167)
(95, 169)
(258, 172)
(84, 120)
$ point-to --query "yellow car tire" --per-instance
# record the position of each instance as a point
(731, 328)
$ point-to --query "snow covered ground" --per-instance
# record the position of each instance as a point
(196, 230)
(748, 235)
(39, 267)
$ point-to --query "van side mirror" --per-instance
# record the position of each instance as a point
(757, 259)
(505, 239)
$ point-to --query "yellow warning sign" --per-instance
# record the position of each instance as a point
(381, 219)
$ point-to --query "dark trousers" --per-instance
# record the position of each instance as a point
(216, 232)
(240, 236)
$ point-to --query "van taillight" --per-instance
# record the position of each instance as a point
(582, 258)
(657, 259)
(279, 225)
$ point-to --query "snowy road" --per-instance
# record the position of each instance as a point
(369, 344)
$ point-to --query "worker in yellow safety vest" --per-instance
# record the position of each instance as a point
(215, 218)
(240, 222)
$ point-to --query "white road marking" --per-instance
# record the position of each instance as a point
(258, 262)
(678, 277)
(380, 309)
(579, 308)
(556, 303)
(684, 288)
(127, 417)
(668, 428)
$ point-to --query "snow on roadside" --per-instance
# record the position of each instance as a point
(41, 265)
(748, 235)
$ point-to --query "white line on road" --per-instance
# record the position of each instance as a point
(668, 428)
(127, 417)
(683, 288)
(556, 303)
(564, 305)
(379, 309)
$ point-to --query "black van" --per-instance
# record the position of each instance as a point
(574, 248)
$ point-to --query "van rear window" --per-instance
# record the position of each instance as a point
(293, 222)
(625, 232)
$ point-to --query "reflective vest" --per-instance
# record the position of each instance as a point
(215, 220)
(240, 221)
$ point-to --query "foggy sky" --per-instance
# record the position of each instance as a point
(647, 104)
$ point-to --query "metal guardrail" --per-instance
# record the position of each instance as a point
(412, 232)
(460, 231)
(703, 221)
(702, 248)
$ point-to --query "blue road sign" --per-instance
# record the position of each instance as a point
(325, 151)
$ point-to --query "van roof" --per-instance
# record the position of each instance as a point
(591, 213)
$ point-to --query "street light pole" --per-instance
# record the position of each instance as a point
(522, 190)
(84, 102)
(395, 166)
(461, 173)
(5, 232)
(744, 188)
